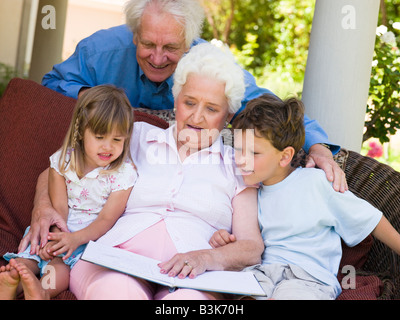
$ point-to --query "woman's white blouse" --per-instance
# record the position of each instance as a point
(193, 197)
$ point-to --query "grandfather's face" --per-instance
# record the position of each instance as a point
(160, 44)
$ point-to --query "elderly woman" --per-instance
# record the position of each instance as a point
(186, 190)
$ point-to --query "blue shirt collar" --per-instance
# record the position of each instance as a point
(168, 83)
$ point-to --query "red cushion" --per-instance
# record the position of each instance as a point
(357, 255)
(366, 287)
(34, 120)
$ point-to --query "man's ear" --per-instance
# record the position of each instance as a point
(287, 156)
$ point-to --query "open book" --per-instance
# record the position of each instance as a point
(243, 283)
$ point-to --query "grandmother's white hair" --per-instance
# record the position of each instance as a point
(189, 13)
(213, 62)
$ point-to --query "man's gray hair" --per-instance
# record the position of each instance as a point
(189, 13)
(216, 63)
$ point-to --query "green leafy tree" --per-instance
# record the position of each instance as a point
(383, 108)
(6, 74)
(269, 38)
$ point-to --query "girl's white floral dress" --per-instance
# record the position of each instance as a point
(86, 198)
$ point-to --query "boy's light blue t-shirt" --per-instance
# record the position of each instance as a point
(302, 219)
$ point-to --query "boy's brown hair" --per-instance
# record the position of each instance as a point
(280, 122)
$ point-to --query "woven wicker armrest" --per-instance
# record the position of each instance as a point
(379, 184)
(301, 157)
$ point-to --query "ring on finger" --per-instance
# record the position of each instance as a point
(188, 264)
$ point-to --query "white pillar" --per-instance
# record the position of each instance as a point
(28, 7)
(49, 37)
(337, 76)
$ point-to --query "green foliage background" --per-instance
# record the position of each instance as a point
(270, 39)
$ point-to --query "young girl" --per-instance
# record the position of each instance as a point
(90, 180)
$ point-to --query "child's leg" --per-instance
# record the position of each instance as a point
(297, 284)
(92, 282)
(298, 289)
(30, 284)
(9, 280)
(55, 277)
(187, 294)
(10, 285)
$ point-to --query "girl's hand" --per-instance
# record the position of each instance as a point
(45, 252)
(221, 238)
(66, 242)
(185, 264)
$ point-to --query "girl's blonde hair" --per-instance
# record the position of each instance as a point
(101, 109)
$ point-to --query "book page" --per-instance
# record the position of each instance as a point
(126, 262)
(224, 281)
(143, 267)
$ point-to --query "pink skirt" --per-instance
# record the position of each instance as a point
(92, 282)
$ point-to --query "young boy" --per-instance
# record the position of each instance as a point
(302, 218)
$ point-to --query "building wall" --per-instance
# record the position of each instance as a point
(84, 17)
(10, 22)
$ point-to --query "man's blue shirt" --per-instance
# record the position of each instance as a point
(109, 57)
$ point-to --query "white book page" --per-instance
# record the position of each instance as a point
(223, 281)
(127, 262)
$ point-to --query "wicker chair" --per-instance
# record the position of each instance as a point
(378, 184)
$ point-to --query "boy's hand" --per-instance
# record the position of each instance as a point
(221, 238)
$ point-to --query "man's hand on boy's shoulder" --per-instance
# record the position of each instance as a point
(321, 157)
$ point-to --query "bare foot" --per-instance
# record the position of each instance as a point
(9, 280)
(31, 285)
